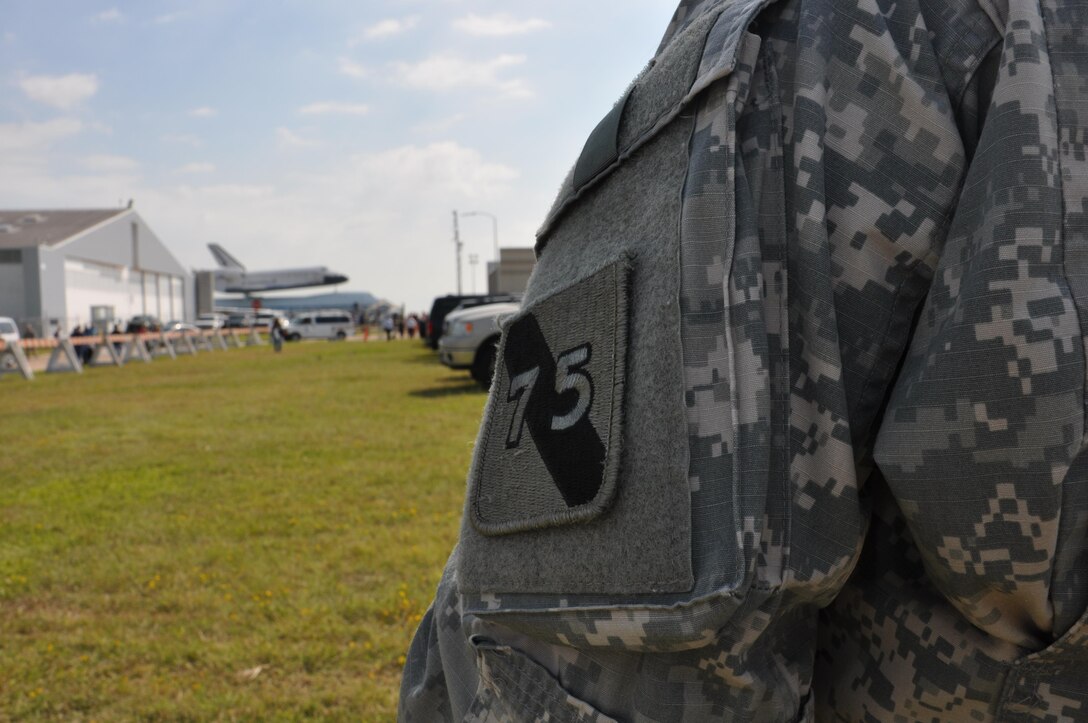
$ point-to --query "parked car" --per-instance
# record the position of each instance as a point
(9, 334)
(330, 324)
(181, 326)
(470, 339)
(264, 317)
(443, 305)
(240, 321)
(143, 324)
(211, 321)
(9, 330)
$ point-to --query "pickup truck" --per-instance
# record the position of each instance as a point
(470, 339)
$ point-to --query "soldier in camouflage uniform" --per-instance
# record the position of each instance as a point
(791, 425)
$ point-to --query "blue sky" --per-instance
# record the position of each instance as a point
(330, 132)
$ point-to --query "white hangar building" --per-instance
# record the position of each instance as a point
(56, 266)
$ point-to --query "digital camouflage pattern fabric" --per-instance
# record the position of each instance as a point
(852, 479)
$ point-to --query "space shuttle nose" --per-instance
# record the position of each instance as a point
(335, 278)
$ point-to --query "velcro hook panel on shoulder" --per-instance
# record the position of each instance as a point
(703, 52)
(602, 146)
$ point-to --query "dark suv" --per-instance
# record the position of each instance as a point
(443, 305)
(143, 324)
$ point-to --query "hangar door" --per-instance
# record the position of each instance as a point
(89, 284)
(12, 301)
(177, 298)
(164, 295)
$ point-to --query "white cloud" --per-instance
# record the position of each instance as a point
(229, 192)
(386, 28)
(499, 25)
(440, 125)
(289, 139)
(168, 18)
(446, 165)
(381, 218)
(203, 112)
(105, 163)
(113, 15)
(352, 69)
(378, 217)
(60, 91)
(443, 72)
(334, 108)
(31, 173)
(184, 139)
(25, 137)
(197, 167)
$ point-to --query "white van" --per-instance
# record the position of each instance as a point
(331, 324)
(9, 330)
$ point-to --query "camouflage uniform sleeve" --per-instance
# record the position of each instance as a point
(440, 670)
(989, 408)
(969, 603)
(675, 469)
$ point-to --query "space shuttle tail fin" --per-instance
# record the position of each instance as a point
(224, 258)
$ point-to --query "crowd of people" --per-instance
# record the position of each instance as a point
(403, 326)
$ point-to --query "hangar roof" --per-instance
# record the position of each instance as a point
(22, 228)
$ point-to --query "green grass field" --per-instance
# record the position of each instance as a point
(234, 536)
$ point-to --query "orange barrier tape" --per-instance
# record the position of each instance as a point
(119, 338)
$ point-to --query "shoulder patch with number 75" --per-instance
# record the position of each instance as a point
(549, 448)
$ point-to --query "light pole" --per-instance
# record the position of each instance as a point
(494, 228)
(457, 245)
(473, 259)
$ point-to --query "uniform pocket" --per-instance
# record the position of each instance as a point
(579, 482)
(515, 688)
(580, 526)
(550, 447)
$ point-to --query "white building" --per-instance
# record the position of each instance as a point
(511, 274)
(56, 265)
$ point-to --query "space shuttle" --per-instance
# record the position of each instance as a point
(233, 277)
